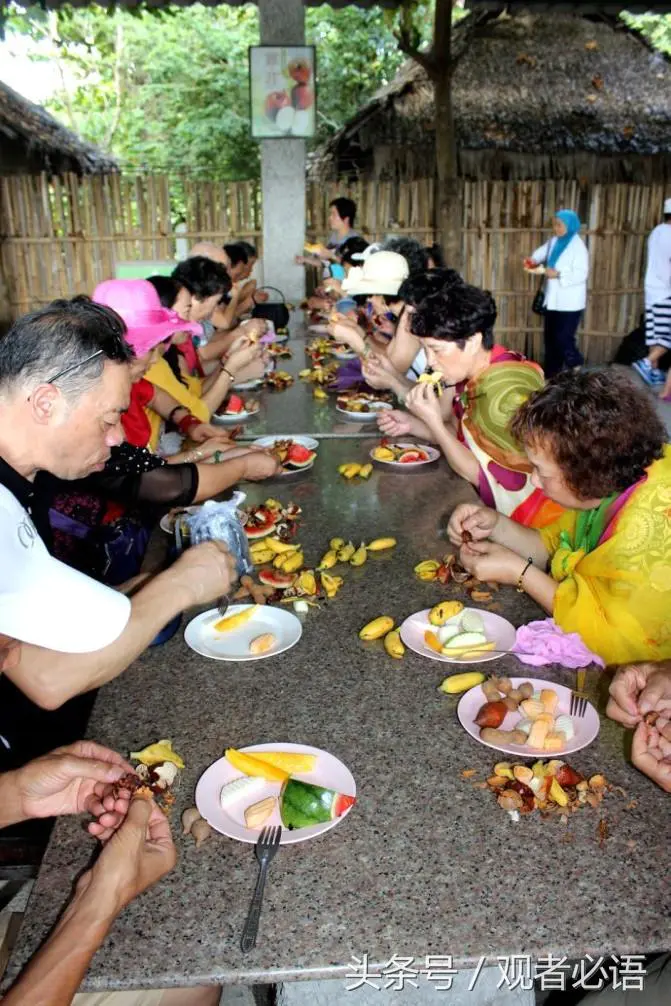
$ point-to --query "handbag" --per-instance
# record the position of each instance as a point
(538, 303)
(277, 313)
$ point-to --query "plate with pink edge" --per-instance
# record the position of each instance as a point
(498, 631)
(586, 727)
(328, 772)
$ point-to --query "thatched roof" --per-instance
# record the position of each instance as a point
(535, 95)
(31, 140)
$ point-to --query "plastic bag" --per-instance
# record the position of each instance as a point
(220, 522)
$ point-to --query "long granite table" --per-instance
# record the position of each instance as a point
(426, 863)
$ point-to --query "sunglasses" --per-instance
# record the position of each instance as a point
(74, 366)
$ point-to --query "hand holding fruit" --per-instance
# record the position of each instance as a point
(639, 689)
(395, 423)
(344, 329)
(261, 465)
(379, 371)
(651, 753)
(423, 402)
(489, 561)
(471, 520)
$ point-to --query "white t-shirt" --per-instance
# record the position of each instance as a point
(658, 272)
(45, 602)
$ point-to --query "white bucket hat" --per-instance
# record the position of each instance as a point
(381, 273)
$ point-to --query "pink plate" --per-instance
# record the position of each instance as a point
(497, 630)
(329, 772)
(400, 466)
(586, 727)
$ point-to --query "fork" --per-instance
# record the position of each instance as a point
(266, 847)
(578, 705)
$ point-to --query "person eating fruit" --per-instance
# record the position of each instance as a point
(603, 569)
(482, 384)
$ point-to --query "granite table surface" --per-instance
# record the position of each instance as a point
(426, 862)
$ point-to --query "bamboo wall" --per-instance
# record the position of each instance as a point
(63, 236)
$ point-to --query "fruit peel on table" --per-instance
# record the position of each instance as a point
(331, 584)
(155, 754)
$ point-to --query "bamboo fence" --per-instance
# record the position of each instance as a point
(63, 235)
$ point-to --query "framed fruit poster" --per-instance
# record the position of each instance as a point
(282, 91)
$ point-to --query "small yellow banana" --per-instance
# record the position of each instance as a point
(381, 543)
(331, 584)
(365, 471)
(343, 468)
(458, 683)
(393, 644)
(319, 394)
(377, 628)
(351, 470)
(346, 552)
(278, 547)
(328, 560)
(445, 610)
(359, 556)
(435, 378)
(305, 374)
(258, 558)
(293, 563)
(336, 543)
(234, 621)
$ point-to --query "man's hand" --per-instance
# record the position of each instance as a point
(206, 431)
(206, 571)
(137, 855)
(379, 372)
(241, 356)
(344, 329)
(394, 423)
(261, 465)
(651, 753)
(489, 561)
(70, 780)
(424, 403)
(476, 520)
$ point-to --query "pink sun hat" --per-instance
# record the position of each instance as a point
(148, 323)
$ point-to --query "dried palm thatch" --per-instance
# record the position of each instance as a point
(31, 141)
(544, 95)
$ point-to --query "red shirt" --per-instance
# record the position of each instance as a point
(135, 424)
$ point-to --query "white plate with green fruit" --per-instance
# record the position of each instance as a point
(470, 636)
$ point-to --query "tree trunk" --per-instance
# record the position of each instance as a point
(448, 189)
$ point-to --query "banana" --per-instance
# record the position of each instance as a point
(393, 644)
(258, 558)
(331, 584)
(273, 504)
(381, 543)
(458, 683)
(293, 563)
(359, 556)
(445, 610)
(365, 471)
(427, 570)
(306, 583)
(278, 547)
(305, 374)
(346, 552)
(329, 559)
(336, 544)
(319, 394)
(234, 621)
(343, 468)
(383, 454)
(377, 628)
(435, 378)
(351, 470)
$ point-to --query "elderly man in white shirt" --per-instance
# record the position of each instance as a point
(658, 305)
(566, 261)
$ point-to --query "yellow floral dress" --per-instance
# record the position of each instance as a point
(617, 594)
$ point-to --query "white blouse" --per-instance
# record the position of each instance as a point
(569, 292)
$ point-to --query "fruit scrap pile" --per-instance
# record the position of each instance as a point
(279, 380)
(157, 768)
(320, 374)
(450, 569)
(402, 455)
(271, 517)
(551, 787)
(351, 469)
(359, 401)
(235, 406)
(292, 456)
(319, 349)
(278, 350)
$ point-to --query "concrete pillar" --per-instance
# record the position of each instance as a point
(282, 22)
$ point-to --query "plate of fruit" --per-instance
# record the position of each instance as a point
(295, 454)
(236, 410)
(362, 406)
(254, 382)
(404, 456)
(527, 717)
(458, 635)
(341, 351)
(246, 632)
(302, 788)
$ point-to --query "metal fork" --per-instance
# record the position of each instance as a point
(578, 705)
(265, 850)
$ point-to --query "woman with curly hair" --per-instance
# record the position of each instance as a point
(603, 569)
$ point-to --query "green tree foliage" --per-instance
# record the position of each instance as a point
(655, 27)
(168, 90)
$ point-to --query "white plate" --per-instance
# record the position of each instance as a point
(586, 727)
(329, 772)
(308, 442)
(364, 417)
(281, 337)
(349, 355)
(319, 329)
(256, 382)
(431, 451)
(498, 631)
(234, 645)
(231, 420)
(167, 521)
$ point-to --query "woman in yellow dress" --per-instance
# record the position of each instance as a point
(603, 570)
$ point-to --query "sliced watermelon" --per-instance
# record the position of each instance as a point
(234, 405)
(299, 456)
(275, 578)
(302, 804)
(261, 522)
(412, 457)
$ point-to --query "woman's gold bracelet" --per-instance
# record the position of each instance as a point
(520, 585)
